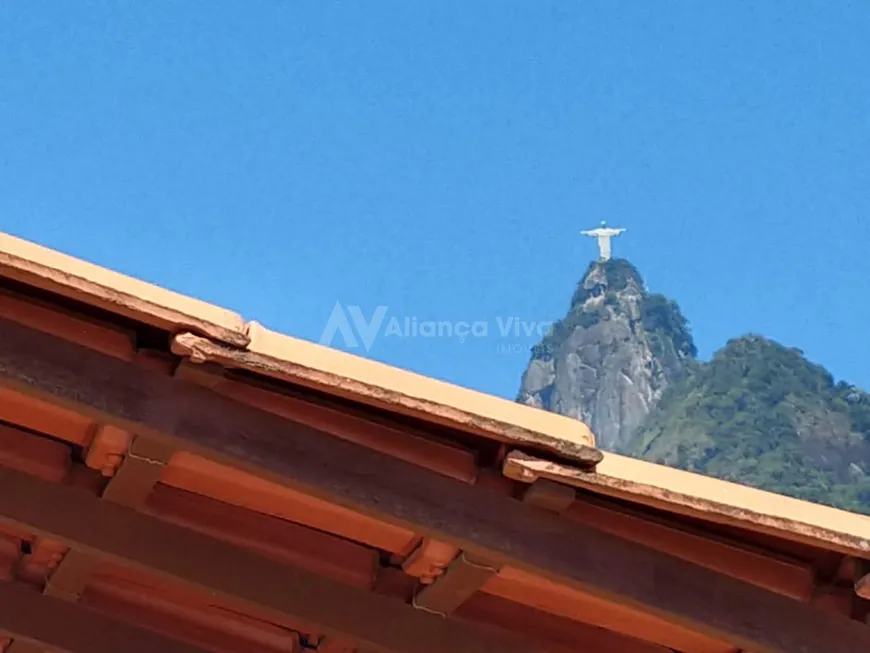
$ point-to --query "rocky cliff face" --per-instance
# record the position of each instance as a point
(611, 358)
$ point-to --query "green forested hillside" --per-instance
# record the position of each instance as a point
(760, 414)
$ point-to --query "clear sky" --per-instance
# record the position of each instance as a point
(441, 158)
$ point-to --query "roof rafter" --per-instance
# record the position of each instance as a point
(40, 622)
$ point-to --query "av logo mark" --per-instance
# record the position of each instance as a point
(366, 329)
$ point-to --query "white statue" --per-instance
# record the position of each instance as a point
(603, 234)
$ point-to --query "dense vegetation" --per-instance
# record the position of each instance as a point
(664, 321)
(761, 414)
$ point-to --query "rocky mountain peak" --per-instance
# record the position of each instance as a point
(609, 359)
(616, 276)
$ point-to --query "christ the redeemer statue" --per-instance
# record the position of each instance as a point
(603, 234)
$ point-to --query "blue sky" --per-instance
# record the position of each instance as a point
(440, 159)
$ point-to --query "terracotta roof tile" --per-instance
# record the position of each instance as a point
(94, 285)
(45, 418)
(90, 333)
(47, 459)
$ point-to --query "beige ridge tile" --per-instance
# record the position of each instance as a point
(50, 270)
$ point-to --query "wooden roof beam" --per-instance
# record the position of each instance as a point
(485, 524)
(557, 634)
(755, 565)
(130, 486)
(465, 576)
(352, 424)
(37, 622)
(460, 581)
(134, 465)
(130, 538)
(281, 540)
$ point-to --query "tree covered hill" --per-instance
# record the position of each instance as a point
(760, 414)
